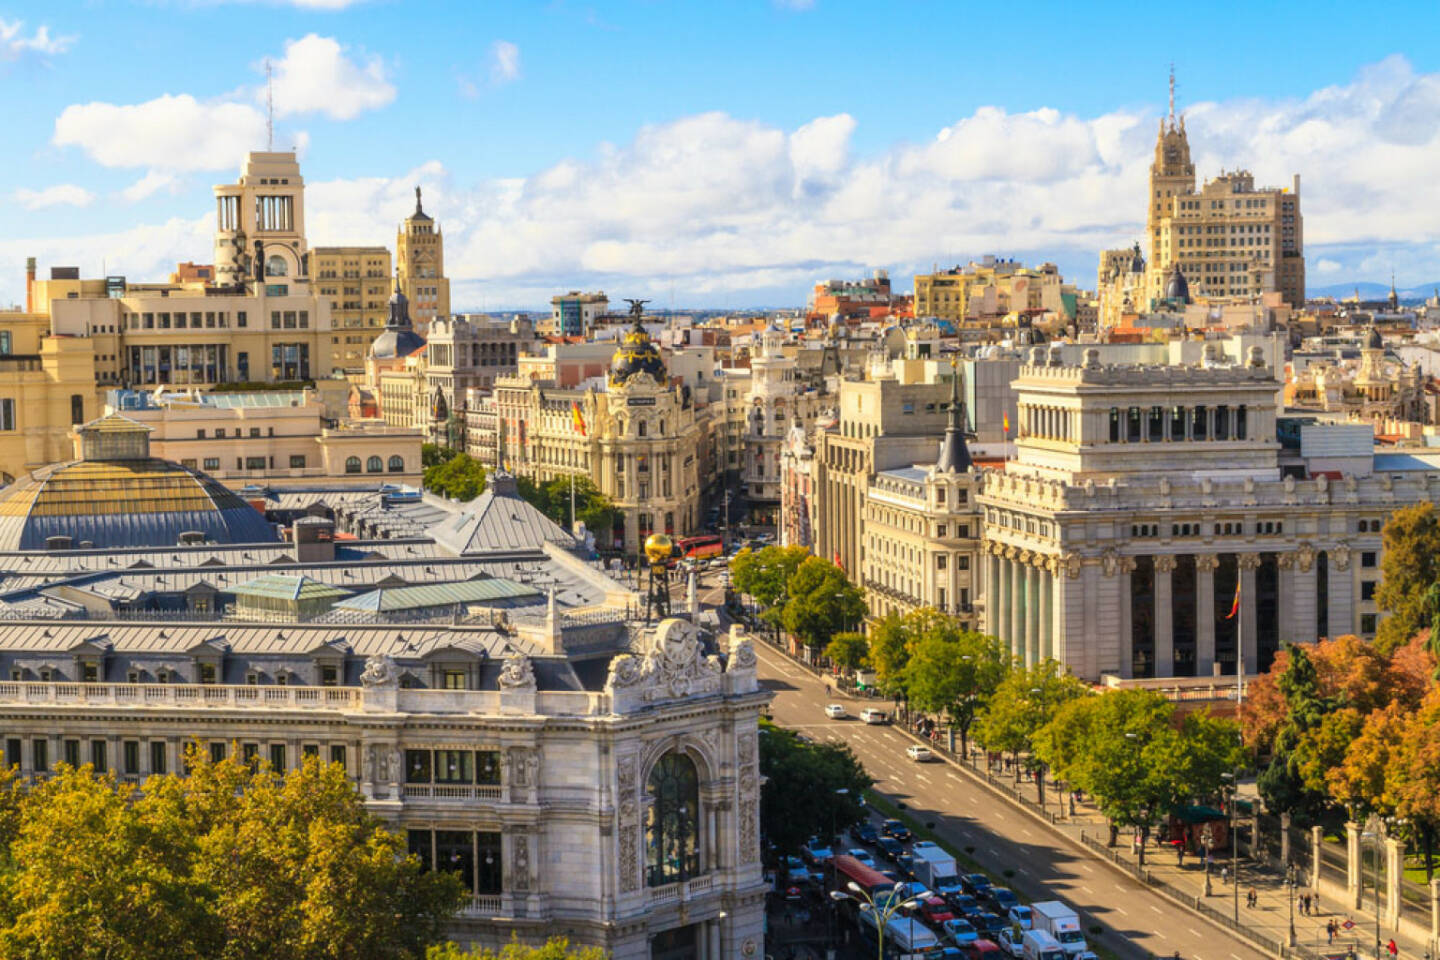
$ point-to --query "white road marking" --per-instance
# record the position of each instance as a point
(1088, 868)
(1193, 931)
(955, 778)
(1087, 889)
(1157, 909)
(919, 776)
(1022, 830)
(1233, 955)
(1121, 911)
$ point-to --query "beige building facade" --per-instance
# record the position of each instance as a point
(420, 256)
(357, 282)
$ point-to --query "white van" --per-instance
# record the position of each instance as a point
(872, 715)
(1039, 945)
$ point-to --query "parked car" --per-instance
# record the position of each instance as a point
(1020, 916)
(1003, 898)
(817, 852)
(976, 884)
(890, 848)
(896, 830)
(865, 832)
(959, 931)
(1010, 941)
(873, 715)
(796, 871)
(935, 911)
(984, 949)
(835, 711)
(919, 754)
(863, 855)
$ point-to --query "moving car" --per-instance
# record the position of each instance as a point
(919, 754)
(835, 711)
(795, 870)
(1003, 898)
(863, 855)
(984, 949)
(1020, 916)
(935, 912)
(976, 884)
(865, 832)
(873, 716)
(905, 863)
(989, 924)
(890, 848)
(817, 851)
(1010, 941)
(896, 830)
(959, 931)
(963, 904)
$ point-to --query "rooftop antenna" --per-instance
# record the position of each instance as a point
(270, 105)
(1172, 92)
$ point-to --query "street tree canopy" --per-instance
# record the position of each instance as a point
(1409, 567)
(764, 574)
(556, 948)
(800, 798)
(951, 669)
(848, 650)
(552, 498)
(460, 477)
(821, 602)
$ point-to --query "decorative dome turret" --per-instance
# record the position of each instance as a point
(399, 338)
(1177, 288)
(637, 353)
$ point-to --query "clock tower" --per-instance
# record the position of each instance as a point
(420, 257)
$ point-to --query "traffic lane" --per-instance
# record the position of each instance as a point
(1003, 837)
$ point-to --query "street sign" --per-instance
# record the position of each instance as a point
(1348, 924)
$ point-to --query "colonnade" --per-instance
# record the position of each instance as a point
(1023, 615)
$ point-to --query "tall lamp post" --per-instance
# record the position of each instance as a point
(834, 847)
(1290, 890)
(1234, 844)
(1375, 829)
(881, 910)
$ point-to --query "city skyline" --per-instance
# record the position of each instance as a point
(738, 181)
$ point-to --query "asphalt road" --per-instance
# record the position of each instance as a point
(966, 814)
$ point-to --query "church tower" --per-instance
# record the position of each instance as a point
(420, 256)
(1172, 174)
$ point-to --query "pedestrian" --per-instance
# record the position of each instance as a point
(1306, 901)
(1251, 898)
(1180, 856)
(1224, 876)
(1330, 933)
(1314, 905)
(1391, 949)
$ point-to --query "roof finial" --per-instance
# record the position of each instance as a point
(418, 211)
(269, 107)
(1172, 93)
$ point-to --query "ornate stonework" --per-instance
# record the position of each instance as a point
(627, 813)
(1249, 561)
(1340, 556)
(1165, 563)
(674, 666)
(518, 674)
(1206, 562)
(524, 767)
(380, 671)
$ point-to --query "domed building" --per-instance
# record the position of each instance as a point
(399, 339)
(636, 354)
(117, 495)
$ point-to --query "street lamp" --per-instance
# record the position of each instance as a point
(1375, 828)
(1232, 787)
(881, 914)
(1290, 889)
(830, 914)
(1207, 840)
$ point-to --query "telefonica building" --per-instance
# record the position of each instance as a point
(492, 693)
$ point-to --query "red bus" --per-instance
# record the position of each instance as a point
(701, 547)
(848, 870)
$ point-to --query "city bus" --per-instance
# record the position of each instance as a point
(848, 870)
(701, 547)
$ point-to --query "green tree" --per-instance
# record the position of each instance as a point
(820, 602)
(556, 948)
(765, 573)
(802, 794)
(432, 454)
(890, 653)
(1283, 785)
(1024, 701)
(848, 650)
(461, 477)
(1410, 566)
(953, 670)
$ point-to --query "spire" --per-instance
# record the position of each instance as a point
(954, 454)
(1172, 93)
(418, 210)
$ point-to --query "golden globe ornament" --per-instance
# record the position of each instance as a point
(658, 548)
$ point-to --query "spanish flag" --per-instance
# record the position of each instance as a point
(1005, 420)
(1235, 604)
(577, 418)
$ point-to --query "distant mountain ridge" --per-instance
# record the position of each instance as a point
(1372, 291)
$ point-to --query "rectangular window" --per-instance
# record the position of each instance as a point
(940, 561)
(217, 751)
(309, 750)
(329, 675)
(97, 756)
(7, 414)
(1367, 559)
(1367, 622)
(277, 757)
(40, 755)
(454, 766)
(157, 756)
(297, 461)
(337, 754)
(454, 679)
(418, 844)
(72, 752)
(962, 562)
(254, 463)
(212, 463)
(274, 319)
(90, 672)
(131, 756)
(1367, 590)
(250, 755)
(490, 875)
(487, 767)
(12, 753)
(455, 853)
(207, 673)
(417, 766)
(240, 320)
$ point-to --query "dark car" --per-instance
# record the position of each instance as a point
(891, 849)
(989, 924)
(895, 830)
(1003, 898)
(865, 832)
(976, 884)
(905, 864)
(963, 904)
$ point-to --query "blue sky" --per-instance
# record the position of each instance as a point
(732, 154)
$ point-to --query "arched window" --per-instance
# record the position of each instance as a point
(374, 465)
(275, 266)
(672, 824)
(352, 465)
(397, 464)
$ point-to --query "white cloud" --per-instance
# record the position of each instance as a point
(316, 76)
(730, 210)
(504, 62)
(62, 194)
(15, 44)
(167, 133)
(152, 182)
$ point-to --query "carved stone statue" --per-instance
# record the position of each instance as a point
(517, 674)
(380, 671)
(259, 264)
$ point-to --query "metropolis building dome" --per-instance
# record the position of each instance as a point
(637, 353)
(117, 495)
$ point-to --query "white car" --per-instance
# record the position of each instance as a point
(919, 754)
(871, 715)
(1011, 941)
(835, 711)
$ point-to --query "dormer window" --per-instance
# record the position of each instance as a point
(329, 676)
(454, 680)
(207, 673)
(45, 674)
(162, 676)
(90, 672)
(282, 678)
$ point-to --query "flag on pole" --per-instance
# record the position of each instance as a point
(1005, 420)
(1235, 604)
(577, 418)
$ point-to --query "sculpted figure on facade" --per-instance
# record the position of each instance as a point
(524, 767)
(1305, 556)
(1109, 561)
(518, 674)
(673, 666)
(1340, 556)
(520, 858)
(1206, 562)
(627, 811)
(742, 655)
(1165, 563)
(380, 671)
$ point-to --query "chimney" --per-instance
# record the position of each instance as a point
(314, 539)
(29, 284)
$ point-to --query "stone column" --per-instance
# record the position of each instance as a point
(1164, 616)
(1435, 911)
(1352, 864)
(712, 940)
(1304, 618)
(1340, 592)
(1317, 850)
(992, 592)
(1047, 609)
(1284, 839)
(1002, 600)
(1249, 654)
(1015, 638)
(1205, 564)
(1127, 634)
(1394, 873)
(1032, 619)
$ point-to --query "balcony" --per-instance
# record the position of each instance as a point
(449, 791)
(483, 905)
(184, 695)
(680, 892)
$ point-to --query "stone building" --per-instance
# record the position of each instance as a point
(420, 259)
(357, 281)
(1140, 496)
(579, 771)
(776, 399)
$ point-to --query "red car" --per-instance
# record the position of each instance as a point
(983, 950)
(935, 911)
